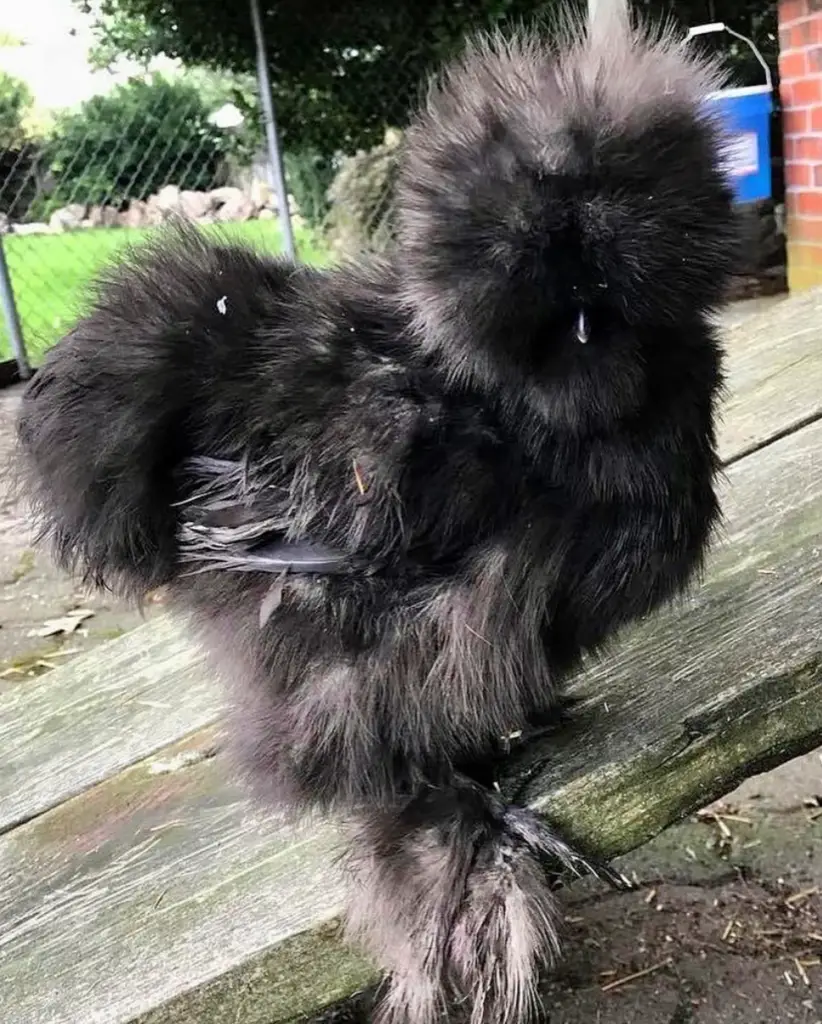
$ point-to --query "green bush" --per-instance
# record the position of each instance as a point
(309, 175)
(361, 198)
(131, 142)
(15, 103)
(18, 153)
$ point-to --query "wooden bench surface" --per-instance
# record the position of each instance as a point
(139, 884)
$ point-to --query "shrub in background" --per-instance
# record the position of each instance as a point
(129, 143)
(310, 174)
(361, 196)
(16, 102)
(18, 153)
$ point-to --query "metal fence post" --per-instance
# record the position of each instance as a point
(10, 316)
(275, 160)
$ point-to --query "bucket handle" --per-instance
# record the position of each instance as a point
(720, 26)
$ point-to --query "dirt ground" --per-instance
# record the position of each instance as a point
(726, 927)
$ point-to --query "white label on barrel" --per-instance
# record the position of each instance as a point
(742, 154)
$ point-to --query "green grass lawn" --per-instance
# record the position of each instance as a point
(50, 274)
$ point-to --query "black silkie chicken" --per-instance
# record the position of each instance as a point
(402, 498)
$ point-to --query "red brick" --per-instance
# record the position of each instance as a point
(814, 59)
(791, 10)
(817, 177)
(795, 121)
(805, 33)
(808, 147)
(785, 38)
(806, 229)
(806, 91)
(816, 119)
(793, 65)
(791, 204)
(809, 204)
(799, 175)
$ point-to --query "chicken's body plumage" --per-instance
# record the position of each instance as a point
(401, 500)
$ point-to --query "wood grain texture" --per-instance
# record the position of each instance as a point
(774, 369)
(102, 711)
(112, 707)
(724, 685)
(164, 898)
(162, 895)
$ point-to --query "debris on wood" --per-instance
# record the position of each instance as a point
(628, 978)
(801, 896)
(180, 761)
(800, 970)
(65, 625)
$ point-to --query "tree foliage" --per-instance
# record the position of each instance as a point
(18, 153)
(344, 72)
(130, 142)
(15, 105)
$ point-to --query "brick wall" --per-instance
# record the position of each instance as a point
(800, 70)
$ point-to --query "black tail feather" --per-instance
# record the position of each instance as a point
(114, 409)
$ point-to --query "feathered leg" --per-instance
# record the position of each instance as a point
(453, 894)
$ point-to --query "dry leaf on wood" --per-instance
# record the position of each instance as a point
(66, 624)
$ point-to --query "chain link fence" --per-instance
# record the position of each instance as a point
(193, 144)
(109, 173)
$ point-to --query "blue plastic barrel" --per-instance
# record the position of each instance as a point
(746, 116)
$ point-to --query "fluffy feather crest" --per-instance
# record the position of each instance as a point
(550, 186)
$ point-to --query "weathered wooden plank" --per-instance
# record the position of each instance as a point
(774, 367)
(727, 684)
(122, 902)
(112, 707)
(102, 711)
(165, 898)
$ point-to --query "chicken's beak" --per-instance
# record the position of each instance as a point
(583, 329)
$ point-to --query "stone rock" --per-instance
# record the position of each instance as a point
(261, 195)
(153, 215)
(196, 205)
(266, 214)
(5, 224)
(225, 194)
(68, 218)
(168, 199)
(136, 216)
(238, 208)
(164, 205)
(101, 217)
(35, 228)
